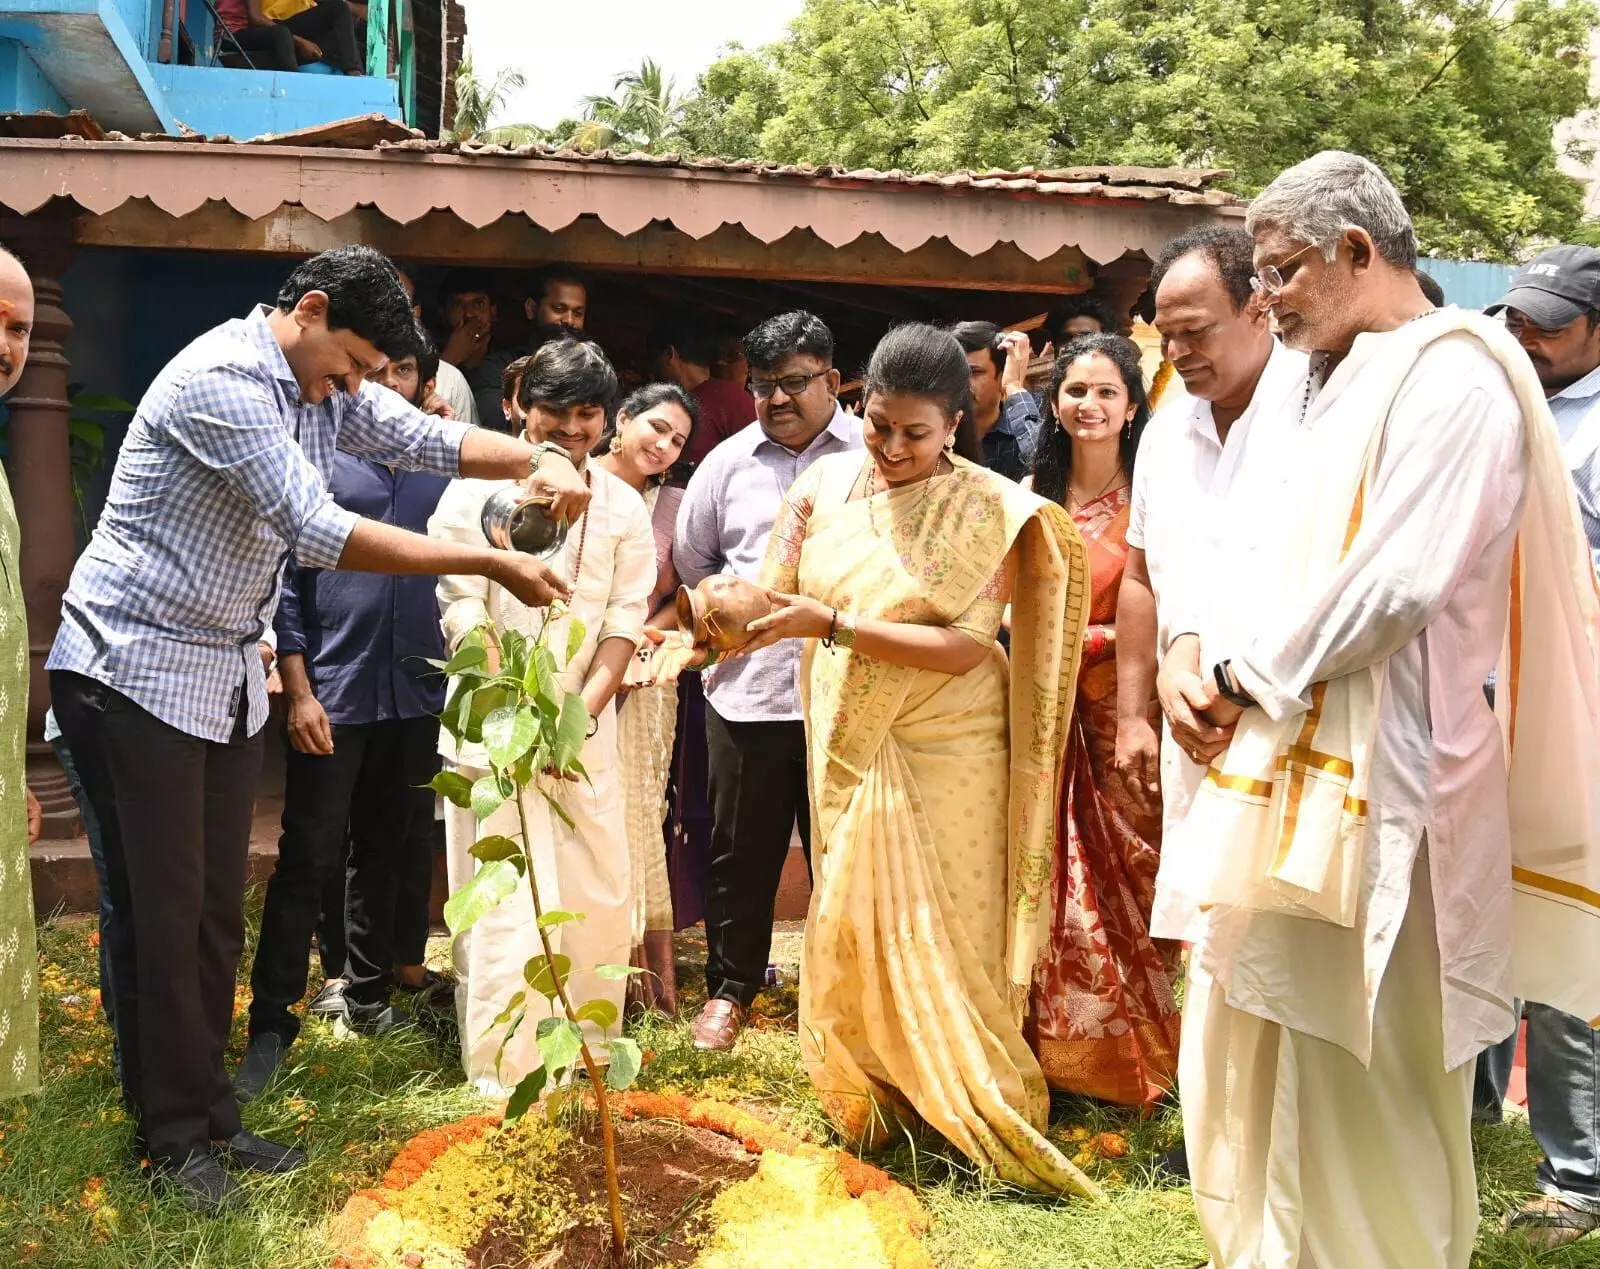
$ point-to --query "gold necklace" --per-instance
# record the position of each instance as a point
(873, 478)
(1075, 504)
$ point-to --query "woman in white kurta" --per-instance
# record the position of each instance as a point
(609, 557)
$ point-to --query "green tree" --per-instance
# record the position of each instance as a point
(477, 103)
(1457, 99)
(640, 113)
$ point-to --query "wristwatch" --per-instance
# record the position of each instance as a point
(1224, 678)
(844, 633)
(543, 448)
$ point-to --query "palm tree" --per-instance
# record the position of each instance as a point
(477, 103)
(641, 114)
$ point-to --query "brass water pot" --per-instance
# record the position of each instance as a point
(718, 611)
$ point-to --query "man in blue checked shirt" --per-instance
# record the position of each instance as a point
(1006, 412)
(155, 675)
(353, 652)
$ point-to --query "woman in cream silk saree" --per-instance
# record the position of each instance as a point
(934, 800)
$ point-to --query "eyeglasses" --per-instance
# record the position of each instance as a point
(1269, 279)
(1516, 324)
(792, 385)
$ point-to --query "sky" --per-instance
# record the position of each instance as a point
(568, 49)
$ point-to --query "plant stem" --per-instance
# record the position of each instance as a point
(619, 1232)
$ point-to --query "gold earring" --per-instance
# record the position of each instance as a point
(616, 442)
(950, 442)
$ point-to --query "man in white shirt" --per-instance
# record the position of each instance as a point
(1326, 1072)
(1239, 382)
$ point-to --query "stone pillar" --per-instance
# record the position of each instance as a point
(40, 470)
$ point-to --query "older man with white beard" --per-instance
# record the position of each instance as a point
(1343, 870)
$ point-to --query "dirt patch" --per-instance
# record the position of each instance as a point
(670, 1172)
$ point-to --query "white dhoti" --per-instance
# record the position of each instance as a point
(583, 869)
(1301, 1158)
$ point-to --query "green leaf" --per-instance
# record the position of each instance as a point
(488, 794)
(615, 971)
(465, 696)
(536, 973)
(468, 656)
(488, 698)
(526, 1093)
(454, 786)
(572, 729)
(512, 1005)
(508, 733)
(575, 633)
(560, 1045)
(532, 684)
(494, 882)
(513, 654)
(494, 847)
(515, 1025)
(549, 689)
(551, 919)
(600, 1012)
(626, 1061)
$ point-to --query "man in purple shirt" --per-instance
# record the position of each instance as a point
(684, 348)
(353, 651)
(755, 736)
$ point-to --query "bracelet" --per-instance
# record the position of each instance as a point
(594, 726)
(845, 637)
(712, 658)
(540, 450)
(833, 628)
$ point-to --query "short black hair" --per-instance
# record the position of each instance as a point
(923, 361)
(464, 282)
(568, 372)
(976, 336)
(788, 335)
(555, 273)
(1085, 304)
(427, 357)
(1229, 249)
(1435, 293)
(686, 334)
(511, 376)
(364, 296)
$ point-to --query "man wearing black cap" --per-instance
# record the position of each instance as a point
(1553, 308)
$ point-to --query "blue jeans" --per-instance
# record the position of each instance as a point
(97, 855)
(1563, 1100)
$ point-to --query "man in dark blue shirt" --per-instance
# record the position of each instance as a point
(363, 734)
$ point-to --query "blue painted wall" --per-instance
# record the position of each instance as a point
(40, 43)
(22, 86)
(1469, 283)
(246, 103)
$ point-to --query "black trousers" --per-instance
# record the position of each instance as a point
(174, 814)
(363, 789)
(329, 24)
(756, 778)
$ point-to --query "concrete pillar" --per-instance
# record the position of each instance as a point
(41, 486)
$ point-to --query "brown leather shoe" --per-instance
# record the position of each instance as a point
(717, 1025)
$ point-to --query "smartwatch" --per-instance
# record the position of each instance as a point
(1224, 679)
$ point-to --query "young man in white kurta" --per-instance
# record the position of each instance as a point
(1326, 1071)
(584, 868)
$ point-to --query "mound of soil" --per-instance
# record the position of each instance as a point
(669, 1173)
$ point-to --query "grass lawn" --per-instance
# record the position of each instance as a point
(69, 1198)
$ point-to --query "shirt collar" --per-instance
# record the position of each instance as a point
(271, 351)
(1585, 388)
(840, 427)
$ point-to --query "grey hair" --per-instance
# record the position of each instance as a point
(1318, 200)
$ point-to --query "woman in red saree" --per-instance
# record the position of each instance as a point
(1104, 1020)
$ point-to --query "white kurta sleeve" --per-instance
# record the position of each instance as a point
(633, 577)
(1449, 481)
(463, 598)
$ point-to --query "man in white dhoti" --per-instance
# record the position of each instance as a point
(1241, 388)
(610, 558)
(1343, 870)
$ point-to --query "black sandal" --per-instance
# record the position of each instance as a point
(1549, 1221)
